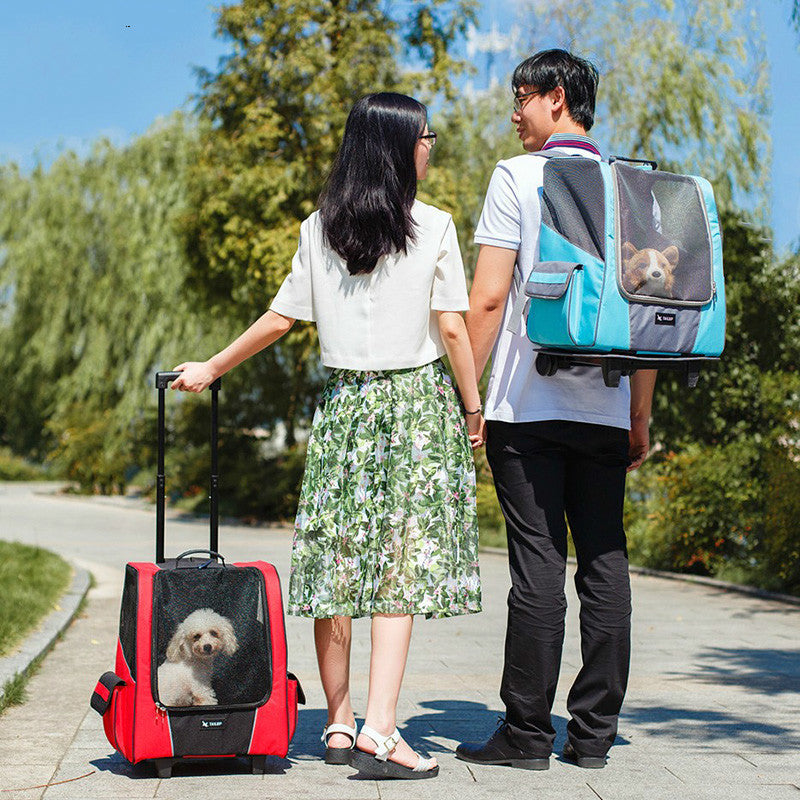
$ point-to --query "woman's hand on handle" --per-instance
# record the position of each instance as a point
(196, 376)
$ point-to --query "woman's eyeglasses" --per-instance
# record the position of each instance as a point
(431, 137)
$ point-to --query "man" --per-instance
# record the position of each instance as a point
(557, 446)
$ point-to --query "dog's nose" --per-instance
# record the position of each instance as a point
(656, 273)
(207, 648)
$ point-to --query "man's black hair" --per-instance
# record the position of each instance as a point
(578, 77)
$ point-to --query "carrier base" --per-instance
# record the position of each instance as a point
(615, 366)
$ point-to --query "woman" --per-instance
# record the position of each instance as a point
(386, 525)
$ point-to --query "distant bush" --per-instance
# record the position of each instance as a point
(731, 511)
(15, 468)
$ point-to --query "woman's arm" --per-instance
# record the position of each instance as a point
(459, 351)
(198, 375)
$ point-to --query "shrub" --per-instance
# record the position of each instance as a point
(730, 511)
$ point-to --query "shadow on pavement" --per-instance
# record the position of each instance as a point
(767, 671)
(117, 765)
(705, 728)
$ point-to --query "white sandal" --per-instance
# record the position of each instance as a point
(338, 755)
(379, 765)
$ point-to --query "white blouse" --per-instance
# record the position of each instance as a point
(385, 319)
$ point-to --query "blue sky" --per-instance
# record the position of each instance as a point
(79, 70)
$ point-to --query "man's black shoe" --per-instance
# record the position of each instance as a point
(587, 762)
(499, 750)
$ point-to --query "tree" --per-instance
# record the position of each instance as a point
(685, 82)
(93, 273)
(276, 109)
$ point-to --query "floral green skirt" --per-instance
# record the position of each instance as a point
(386, 522)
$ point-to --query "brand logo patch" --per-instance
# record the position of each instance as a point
(664, 318)
(212, 723)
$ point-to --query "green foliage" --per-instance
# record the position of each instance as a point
(754, 388)
(704, 508)
(15, 468)
(490, 518)
(683, 81)
(277, 108)
(31, 582)
(92, 278)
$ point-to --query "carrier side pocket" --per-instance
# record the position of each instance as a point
(104, 691)
(554, 289)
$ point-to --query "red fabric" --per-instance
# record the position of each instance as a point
(139, 730)
(151, 735)
(102, 691)
(271, 726)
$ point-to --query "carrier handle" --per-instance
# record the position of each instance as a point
(653, 164)
(213, 553)
(163, 380)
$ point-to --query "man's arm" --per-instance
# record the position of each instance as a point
(487, 299)
(643, 382)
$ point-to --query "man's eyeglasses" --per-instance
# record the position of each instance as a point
(431, 137)
(518, 98)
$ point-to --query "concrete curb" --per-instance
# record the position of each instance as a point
(44, 637)
(724, 586)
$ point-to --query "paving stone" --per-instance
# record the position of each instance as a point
(710, 710)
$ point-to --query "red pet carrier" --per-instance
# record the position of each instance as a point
(201, 658)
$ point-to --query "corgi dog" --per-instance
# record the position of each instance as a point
(649, 272)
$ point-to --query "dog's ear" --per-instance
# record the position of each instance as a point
(671, 254)
(229, 642)
(175, 646)
(628, 251)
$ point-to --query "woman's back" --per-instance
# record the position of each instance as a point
(383, 319)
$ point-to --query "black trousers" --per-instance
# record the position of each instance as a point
(542, 471)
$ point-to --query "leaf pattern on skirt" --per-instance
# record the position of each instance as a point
(387, 521)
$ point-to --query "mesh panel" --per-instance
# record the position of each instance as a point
(663, 235)
(573, 205)
(127, 618)
(211, 637)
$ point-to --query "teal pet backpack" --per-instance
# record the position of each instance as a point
(629, 273)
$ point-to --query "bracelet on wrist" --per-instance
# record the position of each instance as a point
(472, 413)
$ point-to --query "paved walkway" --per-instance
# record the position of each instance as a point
(712, 711)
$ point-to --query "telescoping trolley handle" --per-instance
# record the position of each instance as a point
(163, 380)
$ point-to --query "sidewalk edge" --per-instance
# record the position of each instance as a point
(725, 586)
(44, 637)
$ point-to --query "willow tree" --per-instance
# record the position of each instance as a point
(277, 107)
(683, 81)
(93, 275)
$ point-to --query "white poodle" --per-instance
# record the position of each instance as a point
(184, 679)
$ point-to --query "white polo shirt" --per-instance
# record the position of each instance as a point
(517, 393)
(385, 319)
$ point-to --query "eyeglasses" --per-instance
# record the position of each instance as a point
(431, 137)
(518, 98)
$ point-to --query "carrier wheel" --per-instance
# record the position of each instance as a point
(546, 365)
(163, 767)
(611, 377)
(258, 765)
(690, 377)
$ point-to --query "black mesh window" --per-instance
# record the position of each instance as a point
(210, 637)
(127, 618)
(574, 203)
(663, 236)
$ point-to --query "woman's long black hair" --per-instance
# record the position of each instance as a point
(366, 203)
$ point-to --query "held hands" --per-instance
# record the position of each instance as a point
(476, 430)
(197, 376)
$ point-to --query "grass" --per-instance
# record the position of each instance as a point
(32, 581)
